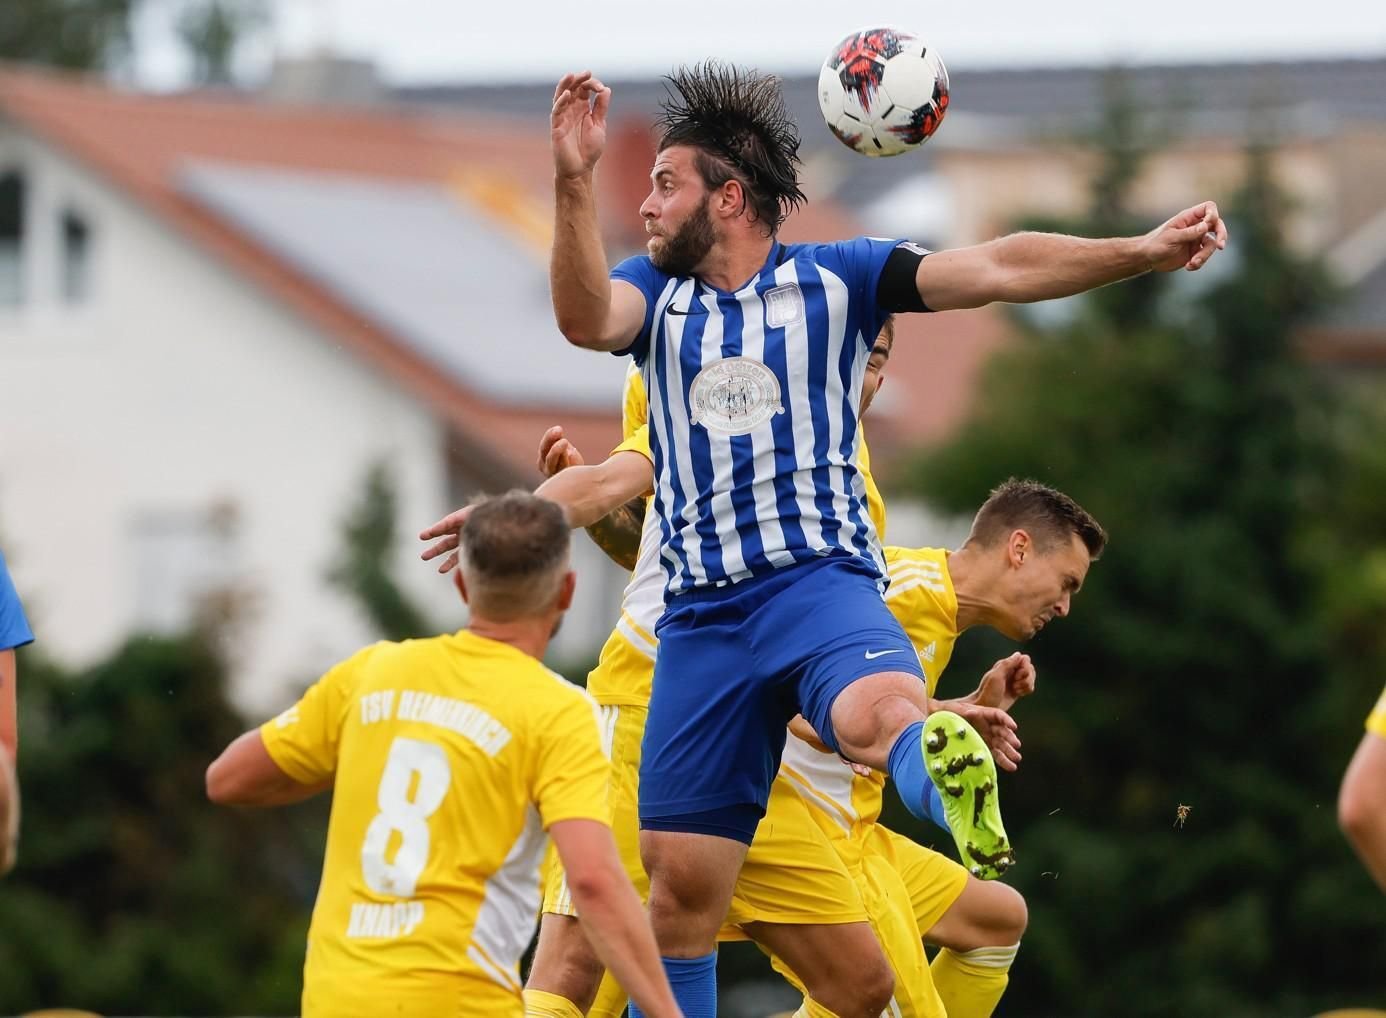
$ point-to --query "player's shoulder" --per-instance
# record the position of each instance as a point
(641, 271)
(915, 569)
(844, 252)
(553, 702)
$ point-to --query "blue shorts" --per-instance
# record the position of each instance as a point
(734, 665)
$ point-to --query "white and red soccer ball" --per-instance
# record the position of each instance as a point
(882, 91)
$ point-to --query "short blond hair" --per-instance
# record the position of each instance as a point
(514, 554)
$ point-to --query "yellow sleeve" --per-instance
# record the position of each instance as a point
(1376, 720)
(303, 740)
(637, 442)
(875, 505)
(571, 772)
(634, 404)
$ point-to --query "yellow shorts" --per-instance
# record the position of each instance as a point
(792, 875)
(932, 881)
(622, 795)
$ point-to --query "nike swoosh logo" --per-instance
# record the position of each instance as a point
(871, 655)
(675, 311)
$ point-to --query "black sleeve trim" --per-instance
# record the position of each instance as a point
(897, 291)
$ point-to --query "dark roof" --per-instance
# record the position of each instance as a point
(1346, 89)
(1303, 97)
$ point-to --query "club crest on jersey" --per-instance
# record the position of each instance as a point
(784, 305)
(735, 396)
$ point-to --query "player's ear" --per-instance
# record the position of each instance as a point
(731, 198)
(566, 590)
(1019, 547)
(460, 583)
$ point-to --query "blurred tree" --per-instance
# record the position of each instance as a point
(134, 895)
(1222, 655)
(96, 35)
(212, 29)
(77, 34)
(365, 568)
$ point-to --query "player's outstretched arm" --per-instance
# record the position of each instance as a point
(246, 775)
(1362, 805)
(591, 311)
(617, 533)
(611, 914)
(1027, 267)
(9, 814)
(586, 493)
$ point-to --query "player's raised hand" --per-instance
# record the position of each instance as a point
(1006, 682)
(997, 729)
(444, 535)
(577, 123)
(557, 453)
(1186, 241)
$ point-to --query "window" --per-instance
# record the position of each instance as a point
(11, 239)
(75, 238)
(184, 561)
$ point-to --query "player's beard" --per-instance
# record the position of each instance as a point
(684, 250)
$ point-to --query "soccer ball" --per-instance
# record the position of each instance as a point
(882, 91)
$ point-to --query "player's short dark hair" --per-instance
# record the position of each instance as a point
(513, 546)
(737, 121)
(1047, 515)
(888, 330)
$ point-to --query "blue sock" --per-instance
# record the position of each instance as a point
(912, 782)
(694, 982)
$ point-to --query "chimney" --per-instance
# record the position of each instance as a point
(323, 78)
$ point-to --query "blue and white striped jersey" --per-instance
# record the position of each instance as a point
(753, 399)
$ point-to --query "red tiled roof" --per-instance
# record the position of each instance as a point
(140, 142)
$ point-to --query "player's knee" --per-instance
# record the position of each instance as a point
(869, 715)
(684, 916)
(875, 990)
(1014, 916)
(852, 985)
(564, 962)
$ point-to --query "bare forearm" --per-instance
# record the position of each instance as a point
(1042, 266)
(246, 775)
(618, 533)
(588, 493)
(616, 927)
(9, 705)
(577, 266)
(9, 814)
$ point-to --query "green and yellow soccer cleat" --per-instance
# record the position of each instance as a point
(961, 767)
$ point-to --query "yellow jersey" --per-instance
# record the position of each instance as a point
(1376, 720)
(625, 669)
(450, 758)
(922, 599)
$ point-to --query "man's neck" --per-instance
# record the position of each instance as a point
(733, 262)
(970, 584)
(528, 635)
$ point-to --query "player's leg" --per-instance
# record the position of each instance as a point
(566, 976)
(712, 743)
(566, 972)
(877, 717)
(828, 961)
(977, 924)
(798, 901)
